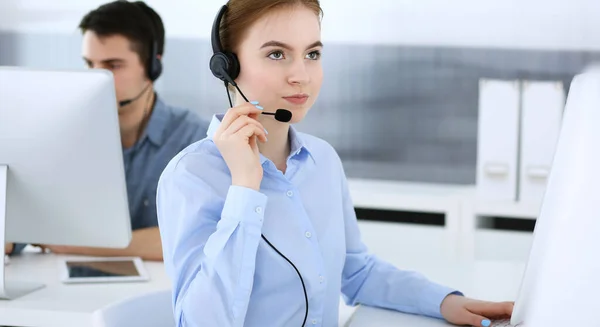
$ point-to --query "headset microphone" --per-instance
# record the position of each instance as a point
(281, 115)
(128, 101)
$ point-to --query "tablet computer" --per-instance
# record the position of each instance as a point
(103, 270)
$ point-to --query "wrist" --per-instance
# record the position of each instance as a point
(254, 185)
(8, 248)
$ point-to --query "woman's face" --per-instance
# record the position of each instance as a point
(280, 59)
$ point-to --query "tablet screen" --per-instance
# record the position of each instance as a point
(120, 268)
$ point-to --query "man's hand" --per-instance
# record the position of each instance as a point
(145, 243)
(463, 311)
(8, 247)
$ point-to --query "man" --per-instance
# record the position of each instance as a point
(127, 38)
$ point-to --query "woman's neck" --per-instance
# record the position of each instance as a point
(277, 148)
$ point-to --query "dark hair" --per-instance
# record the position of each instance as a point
(136, 21)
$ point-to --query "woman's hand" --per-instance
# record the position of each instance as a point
(463, 311)
(236, 138)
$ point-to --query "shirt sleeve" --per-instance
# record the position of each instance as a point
(371, 281)
(17, 248)
(209, 244)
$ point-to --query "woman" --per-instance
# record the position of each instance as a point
(257, 224)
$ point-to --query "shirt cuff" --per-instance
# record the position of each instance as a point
(244, 205)
(17, 248)
(434, 296)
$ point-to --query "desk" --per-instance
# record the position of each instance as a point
(492, 281)
(64, 305)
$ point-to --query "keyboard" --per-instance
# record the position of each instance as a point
(503, 323)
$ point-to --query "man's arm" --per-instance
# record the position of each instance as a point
(8, 248)
(145, 243)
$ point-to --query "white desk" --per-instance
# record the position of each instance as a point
(63, 305)
(493, 281)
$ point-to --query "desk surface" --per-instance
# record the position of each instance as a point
(65, 305)
(492, 281)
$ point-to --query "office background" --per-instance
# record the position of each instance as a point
(400, 96)
(399, 100)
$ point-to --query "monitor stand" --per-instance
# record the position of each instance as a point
(9, 290)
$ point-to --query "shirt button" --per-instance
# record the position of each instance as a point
(258, 209)
(146, 202)
(308, 234)
(314, 322)
(290, 193)
(321, 279)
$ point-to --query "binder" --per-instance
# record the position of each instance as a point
(541, 117)
(498, 139)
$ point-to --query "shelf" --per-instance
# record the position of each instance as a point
(405, 196)
(424, 197)
(501, 208)
(461, 236)
(507, 209)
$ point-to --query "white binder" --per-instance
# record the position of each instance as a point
(541, 117)
(498, 139)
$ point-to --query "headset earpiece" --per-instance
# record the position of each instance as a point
(224, 65)
(154, 68)
(154, 65)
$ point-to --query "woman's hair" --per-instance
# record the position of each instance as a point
(241, 14)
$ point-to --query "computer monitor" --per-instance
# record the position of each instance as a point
(562, 278)
(62, 179)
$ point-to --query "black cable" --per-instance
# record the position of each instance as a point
(298, 272)
(241, 93)
(228, 95)
(263, 236)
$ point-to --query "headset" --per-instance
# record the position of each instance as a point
(154, 67)
(223, 64)
(154, 64)
(226, 67)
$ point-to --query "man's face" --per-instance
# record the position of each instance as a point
(115, 53)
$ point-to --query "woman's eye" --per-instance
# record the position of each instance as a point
(315, 55)
(276, 55)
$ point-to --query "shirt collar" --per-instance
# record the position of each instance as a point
(159, 119)
(297, 144)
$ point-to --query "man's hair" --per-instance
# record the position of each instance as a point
(136, 21)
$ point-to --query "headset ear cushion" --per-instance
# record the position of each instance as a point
(219, 65)
(234, 67)
(154, 64)
(155, 69)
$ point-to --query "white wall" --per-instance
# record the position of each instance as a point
(534, 24)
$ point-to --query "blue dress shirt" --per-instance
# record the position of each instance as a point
(224, 274)
(170, 130)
